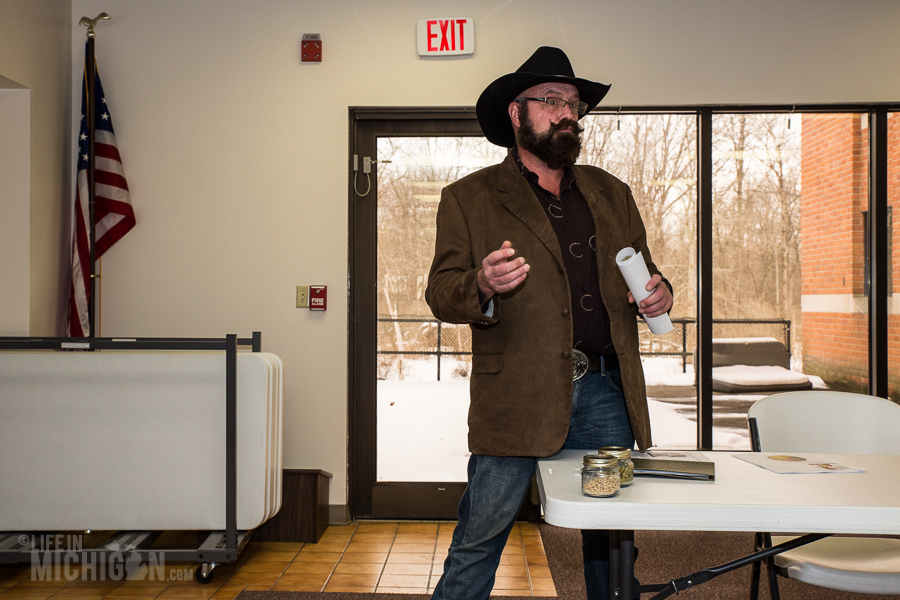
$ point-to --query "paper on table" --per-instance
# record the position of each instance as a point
(788, 464)
(636, 275)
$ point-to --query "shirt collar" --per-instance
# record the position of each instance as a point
(568, 179)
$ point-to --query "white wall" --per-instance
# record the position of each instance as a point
(35, 46)
(15, 203)
(236, 154)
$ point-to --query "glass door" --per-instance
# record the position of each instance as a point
(409, 372)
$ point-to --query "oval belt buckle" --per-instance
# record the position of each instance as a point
(579, 364)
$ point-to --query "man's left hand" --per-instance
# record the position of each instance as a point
(658, 302)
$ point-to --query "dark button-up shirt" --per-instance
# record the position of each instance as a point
(574, 226)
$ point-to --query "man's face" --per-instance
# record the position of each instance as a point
(551, 135)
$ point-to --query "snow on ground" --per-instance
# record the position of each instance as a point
(422, 430)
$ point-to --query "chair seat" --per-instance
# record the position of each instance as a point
(850, 564)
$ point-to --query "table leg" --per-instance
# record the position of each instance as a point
(626, 546)
(615, 553)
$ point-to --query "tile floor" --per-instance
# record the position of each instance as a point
(368, 556)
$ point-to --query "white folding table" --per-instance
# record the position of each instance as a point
(743, 497)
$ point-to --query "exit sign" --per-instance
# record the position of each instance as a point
(446, 36)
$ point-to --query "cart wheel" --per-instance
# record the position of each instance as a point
(205, 572)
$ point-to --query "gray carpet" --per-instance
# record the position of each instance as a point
(664, 555)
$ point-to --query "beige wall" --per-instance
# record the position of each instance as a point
(236, 154)
(35, 47)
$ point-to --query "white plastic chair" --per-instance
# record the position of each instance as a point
(837, 423)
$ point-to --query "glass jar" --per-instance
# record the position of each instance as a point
(626, 466)
(600, 475)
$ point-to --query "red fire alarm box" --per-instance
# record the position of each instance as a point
(318, 296)
(311, 48)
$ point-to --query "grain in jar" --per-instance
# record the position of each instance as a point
(600, 475)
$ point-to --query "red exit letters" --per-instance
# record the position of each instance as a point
(446, 36)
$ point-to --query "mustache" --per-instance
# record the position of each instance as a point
(566, 123)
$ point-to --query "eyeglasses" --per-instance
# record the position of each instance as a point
(556, 105)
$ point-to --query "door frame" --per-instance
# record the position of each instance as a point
(369, 498)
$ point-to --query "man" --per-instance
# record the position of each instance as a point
(525, 255)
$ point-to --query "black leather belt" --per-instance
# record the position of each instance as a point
(596, 363)
(582, 364)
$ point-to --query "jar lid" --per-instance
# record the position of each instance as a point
(617, 451)
(600, 460)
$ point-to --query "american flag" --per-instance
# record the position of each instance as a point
(113, 214)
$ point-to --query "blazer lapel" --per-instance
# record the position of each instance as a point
(520, 200)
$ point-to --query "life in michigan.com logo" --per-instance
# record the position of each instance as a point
(62, 557)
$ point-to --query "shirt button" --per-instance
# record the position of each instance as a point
(567, 354)
(564, 311)
(584, 288)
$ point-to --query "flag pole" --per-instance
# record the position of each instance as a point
(90, 75)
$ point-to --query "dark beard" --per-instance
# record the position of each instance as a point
(555, 151)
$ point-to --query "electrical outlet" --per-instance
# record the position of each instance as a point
(302, 296)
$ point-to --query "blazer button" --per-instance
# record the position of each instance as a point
(564, 311)
(567, 355)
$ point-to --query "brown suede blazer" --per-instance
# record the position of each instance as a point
(521, 385)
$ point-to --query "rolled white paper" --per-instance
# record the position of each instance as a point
(636, 275)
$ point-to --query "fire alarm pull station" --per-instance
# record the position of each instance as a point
(318, 295)
(311, 48)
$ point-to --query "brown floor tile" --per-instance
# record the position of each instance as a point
(529, 529)
(364, 557)
(512, 559)
(542, 583)
(261, 566)
(320, 547)
(355, 546)
(531, 559)
(334, 538)
(87, 590)
(79, 597)
(348, 590)
(253, 579)
(412, 548)
(417, 528)
(539, 571)
(348, 580)
(141, 588)
(358, 568)
(512, 583)
(410, 558)
(28, 588)
(351, 528)
(228, 591)
(332, 557)
(514, 549)
(304, 579)
(194, 592)
(403, 581)
(320, 568)
(406, 569)
(415, 538)
(267, 556)
(374, 538)
(390, 590)
(512, 571)
(281, 546)
(130, 597)
(296, 588)
(496, 592)
(257, 588)
(373, 527)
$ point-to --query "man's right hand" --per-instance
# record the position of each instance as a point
(499, 273)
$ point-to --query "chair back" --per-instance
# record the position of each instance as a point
(822, 422)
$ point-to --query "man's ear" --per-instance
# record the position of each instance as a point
(514, 114)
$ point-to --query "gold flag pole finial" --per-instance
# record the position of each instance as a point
(90, 23)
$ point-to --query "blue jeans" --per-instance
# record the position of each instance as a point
(498, 484)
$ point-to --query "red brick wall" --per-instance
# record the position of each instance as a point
(834, 188)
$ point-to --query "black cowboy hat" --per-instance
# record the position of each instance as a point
(547, 64)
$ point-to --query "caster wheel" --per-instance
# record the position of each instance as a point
(204, 573)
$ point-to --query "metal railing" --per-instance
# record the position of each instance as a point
(432, 342)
